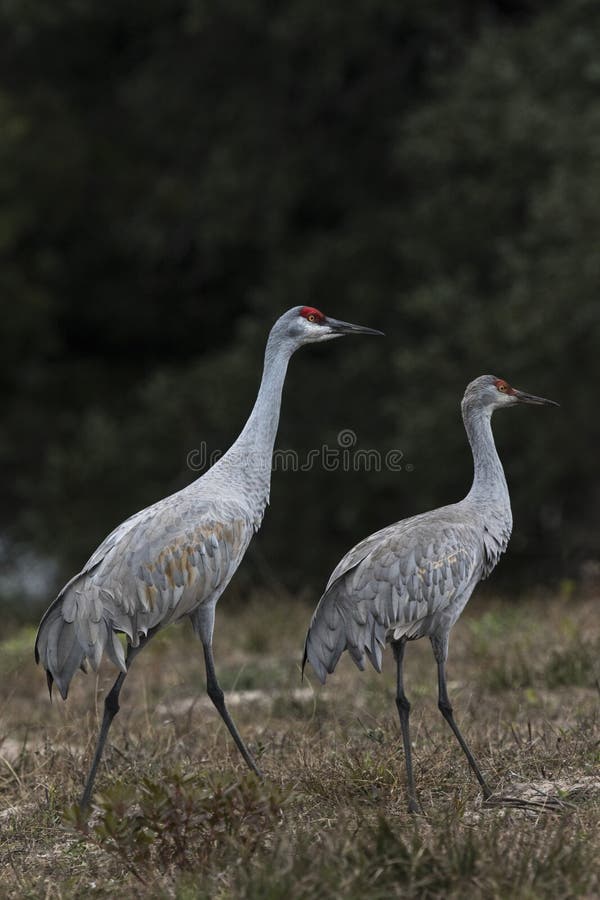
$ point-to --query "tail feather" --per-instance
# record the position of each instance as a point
(327, 638)
(115, 650)
(376, 642)
(342, 623)
(59, 651)
(64, 644)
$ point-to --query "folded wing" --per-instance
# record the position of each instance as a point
(154, 569)
(392, 585)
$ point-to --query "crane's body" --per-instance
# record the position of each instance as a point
(172, 559)
(164, 563)
(175, 558)
(414, 578)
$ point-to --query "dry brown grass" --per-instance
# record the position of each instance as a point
(177, 815)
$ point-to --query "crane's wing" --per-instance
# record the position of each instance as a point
(155, 568)
(359, 552)
(392, 585)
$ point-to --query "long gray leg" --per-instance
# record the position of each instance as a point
(214, 691)
(111, 708)
(404, 712)
(445, 707)
(203, 622)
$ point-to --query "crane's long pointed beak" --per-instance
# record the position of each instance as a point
(522, 397)
(348, 328)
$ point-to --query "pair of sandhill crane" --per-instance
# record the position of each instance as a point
(175, 559)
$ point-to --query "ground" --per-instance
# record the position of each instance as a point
(177, 815)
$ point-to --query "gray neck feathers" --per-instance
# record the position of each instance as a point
(258, 437)
(489, 483)
(489, 496)
(246, 467)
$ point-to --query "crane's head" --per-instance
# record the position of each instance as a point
(307, 325)
(489, 392)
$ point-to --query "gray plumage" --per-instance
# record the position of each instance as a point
(414, 578)
(155, 568)
(175, 558)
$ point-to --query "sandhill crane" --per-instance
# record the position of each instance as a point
(413, 579)
(175, 558)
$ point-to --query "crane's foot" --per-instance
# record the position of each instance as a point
(254, 768)
(246, 755)
(414, 807)
(487, 793)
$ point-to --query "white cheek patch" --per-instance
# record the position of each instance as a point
(327, 335)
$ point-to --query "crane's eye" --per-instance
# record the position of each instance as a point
(502, 387)
(312, 315)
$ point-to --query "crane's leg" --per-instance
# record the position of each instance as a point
(111, 708)
(404, 712)
(440, 649)
(203, 621)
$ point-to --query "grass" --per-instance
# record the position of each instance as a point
(177, 815)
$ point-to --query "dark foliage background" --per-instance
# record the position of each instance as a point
(175, 174)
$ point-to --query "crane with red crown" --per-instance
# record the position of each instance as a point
(176, 557)
(414, 578)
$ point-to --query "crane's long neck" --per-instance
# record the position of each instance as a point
(258, 436)
(488, 497)
(248, 463)
(489, 482)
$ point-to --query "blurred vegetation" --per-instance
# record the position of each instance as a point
(177, 820)
(174, 175)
